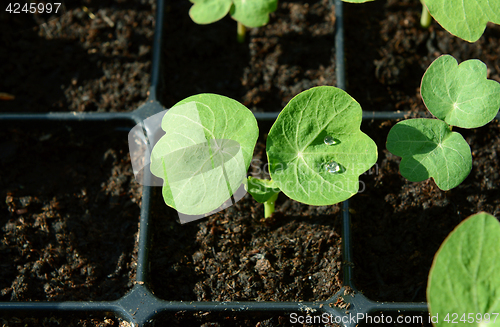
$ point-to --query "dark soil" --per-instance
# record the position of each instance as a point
(236, 255)
(70, 207)
(67, 320)
(99, 60)
(70, 210)
(292, 53)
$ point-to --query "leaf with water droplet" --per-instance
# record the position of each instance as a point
(298, 153)
(461, 95)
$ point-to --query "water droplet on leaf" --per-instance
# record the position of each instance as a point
(332, 167)
(330, 140)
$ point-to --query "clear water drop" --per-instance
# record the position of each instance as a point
(332, 167)
(329, 140)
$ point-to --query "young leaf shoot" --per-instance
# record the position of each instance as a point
(204, 156)
(458, 95)
(464, 284)
(250, 13)
(263, 191)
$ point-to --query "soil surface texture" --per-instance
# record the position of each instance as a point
(91, 56)
(69, 215)
(70, 210)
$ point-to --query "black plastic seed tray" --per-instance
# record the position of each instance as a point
(140, 306)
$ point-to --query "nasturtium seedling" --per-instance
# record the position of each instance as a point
(304, 163)
(430, 149)
(316, 150)
(466, 19)
(250, 13)
(458, 95)
(204, 156)
(464, 284)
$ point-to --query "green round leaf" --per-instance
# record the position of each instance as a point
(460, 94)
(205, 154)
(209, 11)
(253, 13)
(430, 149)
(464, 281)
(300, 159)
(466, 19)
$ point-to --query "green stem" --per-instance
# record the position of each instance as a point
(269, 206)
(241, 32)
(425, 19)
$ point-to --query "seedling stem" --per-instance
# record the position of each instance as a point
(269, 206)
(241, 32)
(426, 18)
